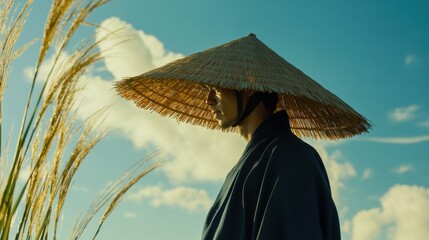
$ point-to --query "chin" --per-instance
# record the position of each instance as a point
(224, 125)
(224, 122)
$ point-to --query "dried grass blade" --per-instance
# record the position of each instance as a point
(120, 194)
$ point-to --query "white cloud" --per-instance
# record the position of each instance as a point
(194, 153)
(398, 140)
(367, 225)
(424, 124)
(402, 114)
(337, 171)
(183, 197)
(130, 215)
(343, 211)
(346, 226)
(403, 169)
(80, 189)
(410, 59)
(129, 52)
(45, 69)
(53, 67)
(24, 174)
(402, 216)
(367, 173)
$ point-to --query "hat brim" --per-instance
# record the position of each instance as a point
(186, 102)
(177, 89)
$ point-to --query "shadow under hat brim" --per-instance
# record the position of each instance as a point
(185, 101)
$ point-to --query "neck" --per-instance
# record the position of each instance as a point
(252, 122)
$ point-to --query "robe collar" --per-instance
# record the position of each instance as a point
(276, 124)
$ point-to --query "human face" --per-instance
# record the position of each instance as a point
(223, 103)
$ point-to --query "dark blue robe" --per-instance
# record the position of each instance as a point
(278, 189)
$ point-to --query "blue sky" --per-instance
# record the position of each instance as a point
(373, 55)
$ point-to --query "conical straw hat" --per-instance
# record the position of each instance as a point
(177, 89)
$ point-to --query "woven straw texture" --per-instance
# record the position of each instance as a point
(177, 89)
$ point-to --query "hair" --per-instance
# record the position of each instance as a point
(270, 101)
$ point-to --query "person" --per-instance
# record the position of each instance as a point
(279, 188)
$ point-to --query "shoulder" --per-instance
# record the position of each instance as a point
(290, 149)
(286, 156)
(291, 159)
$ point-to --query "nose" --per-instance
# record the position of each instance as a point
(211, 99)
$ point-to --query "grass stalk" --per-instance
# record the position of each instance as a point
(49, 128)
